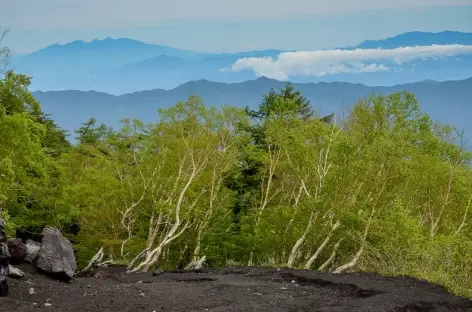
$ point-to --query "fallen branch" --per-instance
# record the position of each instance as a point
(96, 262)
(196, 264)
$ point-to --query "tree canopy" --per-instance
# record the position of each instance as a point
(385, 190)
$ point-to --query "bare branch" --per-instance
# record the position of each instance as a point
(96, 261)
(265, 199)
(464, 218)
(435, 221)
(5, 52)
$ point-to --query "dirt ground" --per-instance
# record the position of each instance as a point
(230, 289)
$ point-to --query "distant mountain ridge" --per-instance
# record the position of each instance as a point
(119, 45)
(418, 38)
(449, 101)
(412, 38)
(119, 66)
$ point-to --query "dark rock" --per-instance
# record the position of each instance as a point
(17, 250)
(32, 249)
(56, 256)
(4, 259)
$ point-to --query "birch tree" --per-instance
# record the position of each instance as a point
(200, 151)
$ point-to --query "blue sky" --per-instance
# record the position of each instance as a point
(223, 25)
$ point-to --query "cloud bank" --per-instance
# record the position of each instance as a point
(330, 62)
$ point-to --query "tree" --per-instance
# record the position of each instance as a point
(29, 143)
(23, 167)
(287, 100)
(4, 166)
(384, 190)
(5, 52)
(195, 150)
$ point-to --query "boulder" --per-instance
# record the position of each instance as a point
(32, 249)
(17, 250)
(56, 256)
(4, 259)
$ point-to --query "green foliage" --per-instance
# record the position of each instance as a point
(15, 97)
(384, 190)
(286, 101)
(29, 145)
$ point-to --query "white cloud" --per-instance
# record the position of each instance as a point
(329, 62)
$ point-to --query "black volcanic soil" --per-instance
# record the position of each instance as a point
(230, 289)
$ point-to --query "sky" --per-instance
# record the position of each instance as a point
(227, 26)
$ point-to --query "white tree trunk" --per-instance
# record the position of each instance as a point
(296, 248)
(332, 257)
(435, 220)
(322, 246)
(358, 254)
(464, 218)
(196, 264)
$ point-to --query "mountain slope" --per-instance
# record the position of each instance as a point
(171, 71)
(77, 65)
(107, 53)
(123, 65)
(448, 102)
(119, 66)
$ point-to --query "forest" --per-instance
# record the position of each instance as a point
(382, 188)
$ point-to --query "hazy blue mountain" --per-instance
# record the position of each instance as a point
(123, 65)
(100, 54)
(448, 102)
(418, 38)
(75, 65)
(119, 66)
(171, 71)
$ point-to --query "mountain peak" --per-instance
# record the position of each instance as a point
(115, 43)
(107, 39)
(265, 78)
